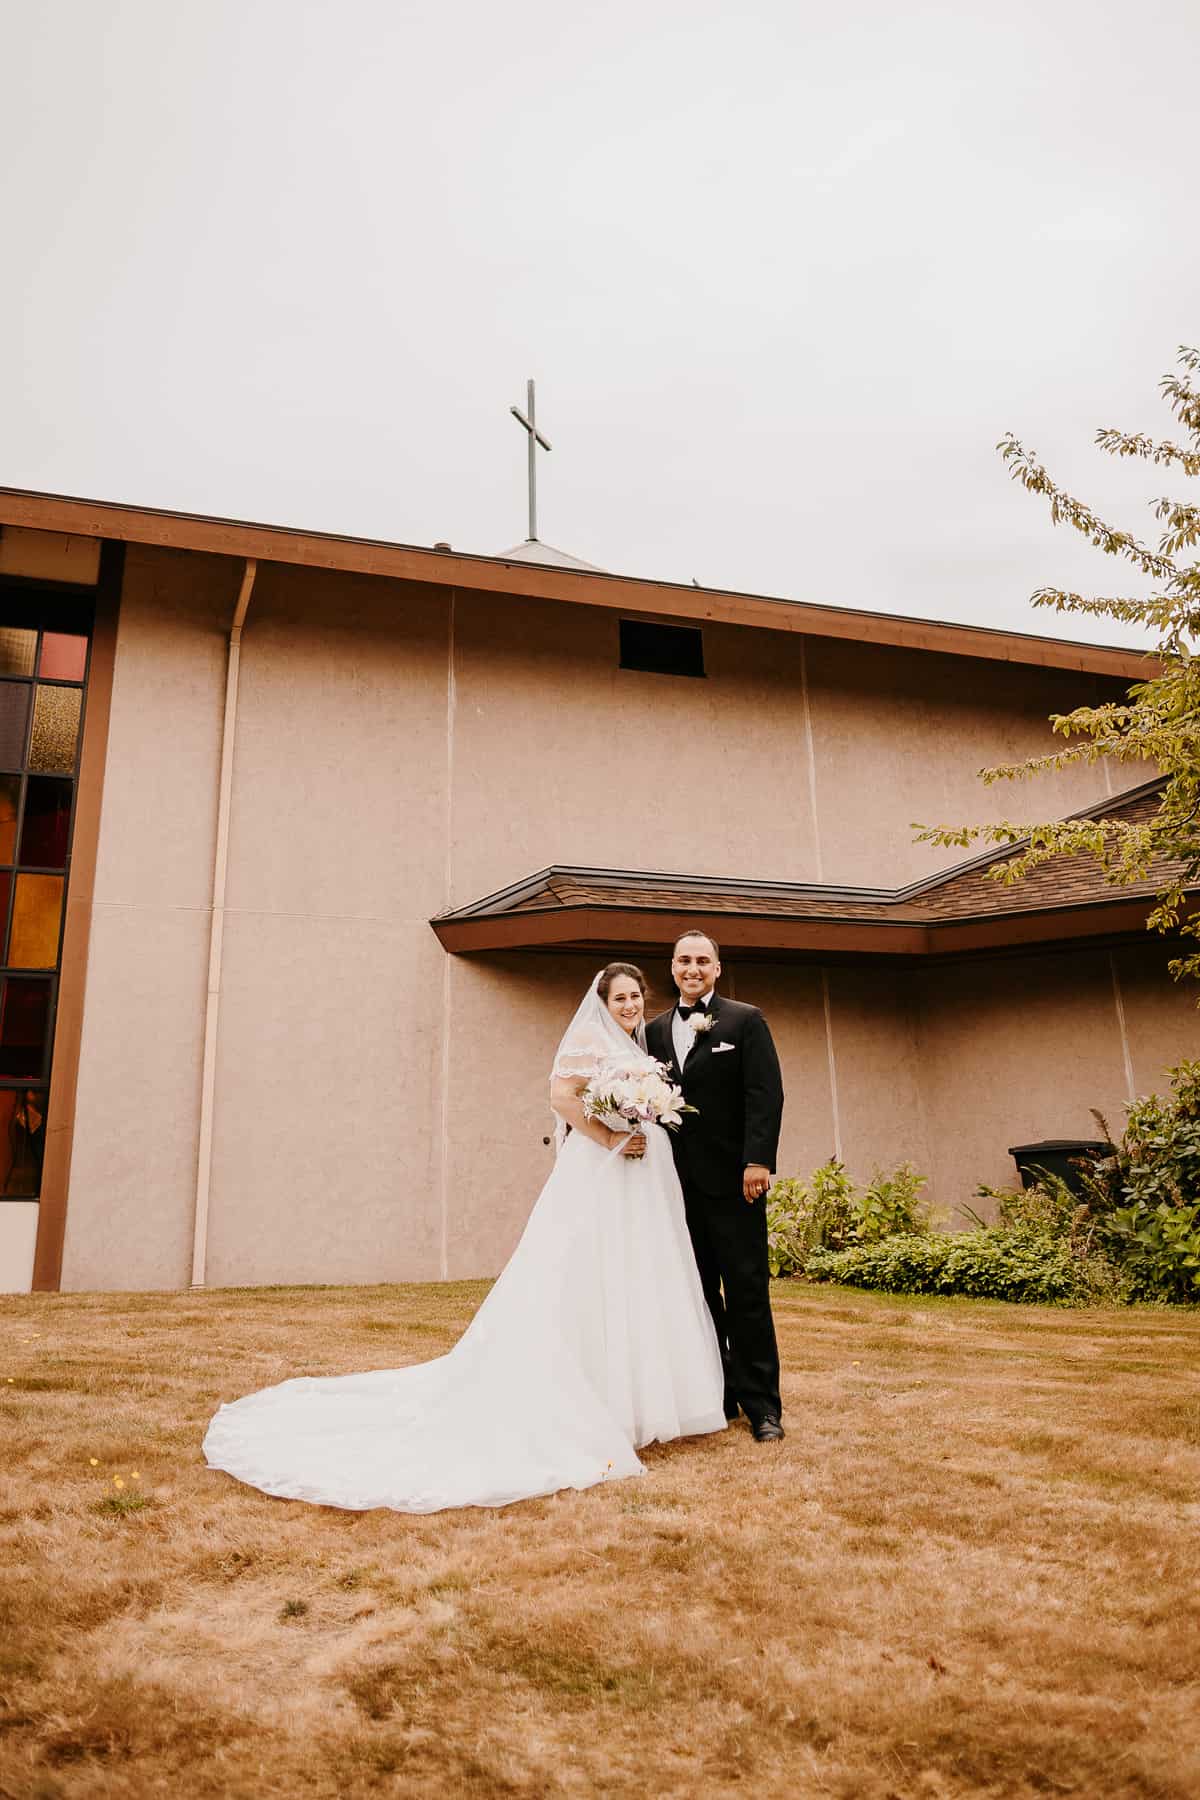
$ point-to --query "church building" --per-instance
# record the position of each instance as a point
(309, 846)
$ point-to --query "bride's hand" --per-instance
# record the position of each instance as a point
(634, 1146)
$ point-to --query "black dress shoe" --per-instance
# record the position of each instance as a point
(767, 1429)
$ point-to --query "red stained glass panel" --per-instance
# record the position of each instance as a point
(46, 827)
(63, 658)
(10, 795)
(24, 1017)
(22, 1142)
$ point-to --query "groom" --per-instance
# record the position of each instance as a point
(721, 1054)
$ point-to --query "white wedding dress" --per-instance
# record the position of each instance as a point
(593, 1341)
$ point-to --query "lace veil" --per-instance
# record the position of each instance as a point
(593, 1037)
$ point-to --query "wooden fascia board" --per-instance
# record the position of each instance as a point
(632, 928)
(652, 929)
(1107, 918)
(401, 562)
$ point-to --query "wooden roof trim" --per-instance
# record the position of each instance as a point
(489, 574)
(645, 928)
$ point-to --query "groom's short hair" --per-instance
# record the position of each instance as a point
(706, 935)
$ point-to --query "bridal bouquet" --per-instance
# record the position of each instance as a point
(626, 1099)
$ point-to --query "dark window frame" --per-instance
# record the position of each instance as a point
(659, 647)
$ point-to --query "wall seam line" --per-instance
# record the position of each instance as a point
(1122, 1027)
(448, 960)
(811, 756)
(833, 1086)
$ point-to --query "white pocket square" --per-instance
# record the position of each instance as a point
(717, 1048)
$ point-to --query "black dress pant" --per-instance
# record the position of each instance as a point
(729, 1237)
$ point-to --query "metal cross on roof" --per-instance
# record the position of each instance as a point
(528, 420)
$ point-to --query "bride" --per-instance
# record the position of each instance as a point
(593, 1341)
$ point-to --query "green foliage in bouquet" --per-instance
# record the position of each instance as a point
(829, 1212)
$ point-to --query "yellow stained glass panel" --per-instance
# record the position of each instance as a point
(10, 794)
(37, 914)
(55, 730)
(17, 651)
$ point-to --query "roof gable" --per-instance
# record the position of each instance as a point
(516, 575)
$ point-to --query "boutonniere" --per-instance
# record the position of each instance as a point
(701, 1022)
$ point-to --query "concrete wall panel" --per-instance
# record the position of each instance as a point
(325, 1155)
(133, 1169)
(900, 735)
(18, 1233)
(563, 756)
(339, 805)
(1161, 1018)
(881, 1105)
(1012, 1052)
(164, 744)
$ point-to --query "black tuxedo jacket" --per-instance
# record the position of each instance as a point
(732, 1077)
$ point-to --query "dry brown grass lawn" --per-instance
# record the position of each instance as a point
(971, 1569)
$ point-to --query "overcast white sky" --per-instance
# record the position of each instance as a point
(783, 271)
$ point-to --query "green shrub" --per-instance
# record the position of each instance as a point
(994, 1263)
(803, 1216)
(1145, 1199)
(828, 1212)
(891, 1206)
(1158, 1248)
(1049, 1207)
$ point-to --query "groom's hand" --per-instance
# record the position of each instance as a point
(755, 1181)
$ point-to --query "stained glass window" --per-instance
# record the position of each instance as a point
(42, 676)
(17, 651)
(22, 1142)
(36, 917)
(14, 722)
(63, 658)
(56, 712)
(46, 827)
(24, 1018)
(10, 800)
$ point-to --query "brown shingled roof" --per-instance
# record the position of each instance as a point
(958, 912)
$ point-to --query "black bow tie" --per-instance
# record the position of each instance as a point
(685, 1012)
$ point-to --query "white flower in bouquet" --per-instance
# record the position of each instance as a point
(628, 1099)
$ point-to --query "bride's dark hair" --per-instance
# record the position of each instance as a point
(608, 976)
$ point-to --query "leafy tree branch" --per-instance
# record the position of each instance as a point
(1158, 723)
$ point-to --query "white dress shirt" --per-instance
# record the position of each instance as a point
(682, 1035)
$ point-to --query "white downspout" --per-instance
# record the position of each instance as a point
(217, 928)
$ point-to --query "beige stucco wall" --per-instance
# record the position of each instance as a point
(380, 1107)
(729, 785)
(1019, 1049)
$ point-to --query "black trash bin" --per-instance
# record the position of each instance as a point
(1058, 1156)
